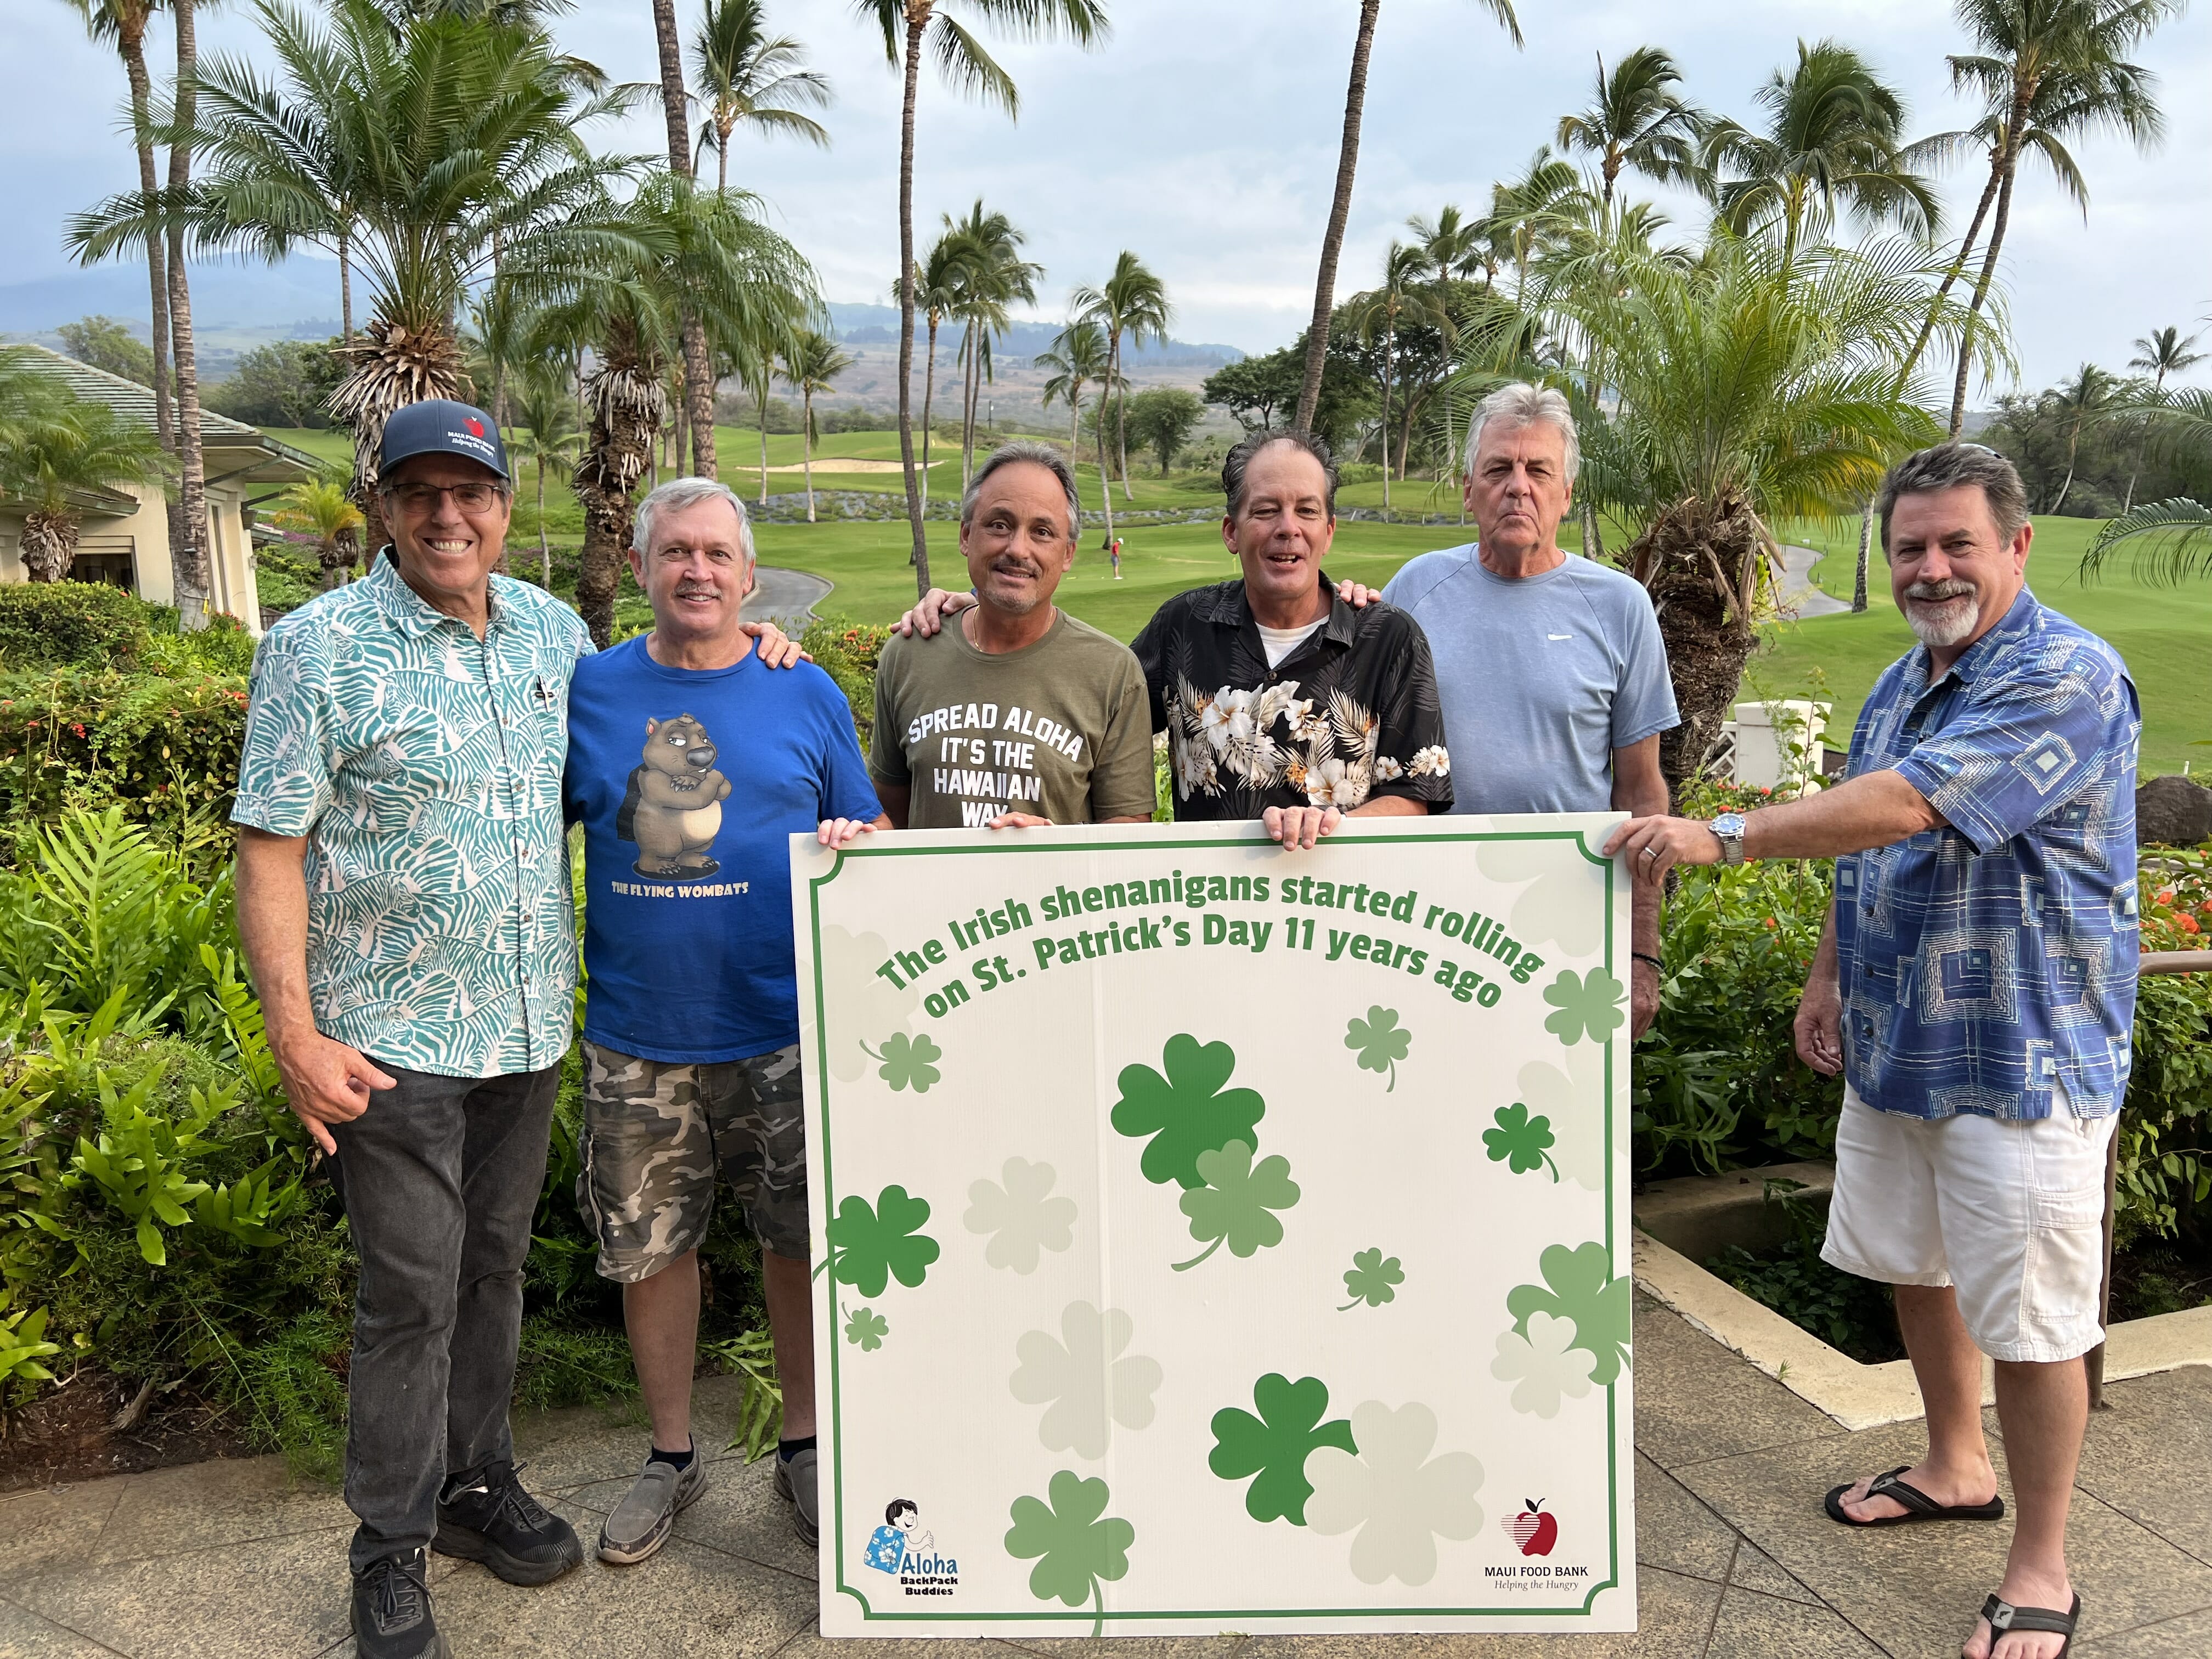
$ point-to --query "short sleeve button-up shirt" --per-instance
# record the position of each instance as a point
(1982, 962)
(423, 767)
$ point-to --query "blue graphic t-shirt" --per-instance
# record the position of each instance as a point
(687, 783)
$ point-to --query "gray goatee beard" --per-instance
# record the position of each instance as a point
(1938, 624)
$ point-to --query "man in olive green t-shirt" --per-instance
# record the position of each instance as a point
(1016, 714)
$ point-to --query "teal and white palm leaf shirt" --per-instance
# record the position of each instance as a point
(423, 767)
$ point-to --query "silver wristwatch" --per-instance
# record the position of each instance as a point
(1728, 829)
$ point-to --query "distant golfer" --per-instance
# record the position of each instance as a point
(1976, 986)
(1114, 548)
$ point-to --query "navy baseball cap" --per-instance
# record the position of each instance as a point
(439, 425)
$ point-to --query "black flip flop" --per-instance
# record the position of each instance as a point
(2003, 1616)
(1918, 1506)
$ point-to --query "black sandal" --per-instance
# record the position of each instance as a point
(1918, 1505)
(2002, 1616)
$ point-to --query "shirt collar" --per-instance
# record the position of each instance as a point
(408, 610)
(1230, 604)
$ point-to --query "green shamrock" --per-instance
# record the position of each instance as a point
(1275, 1444)
(1372, 1279)
(866, 1329)
(1520, 1142)
(1233, 1207)
(1590, 1004)
(1074, 1548)
(1381, 1040)
(868, 1247)
(907, 1062)
(1187, 1112)
(1582, 1290)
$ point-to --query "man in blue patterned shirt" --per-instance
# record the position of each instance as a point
(1976, 986)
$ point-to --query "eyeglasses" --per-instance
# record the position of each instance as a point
(420, 499)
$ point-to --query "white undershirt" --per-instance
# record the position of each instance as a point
(1281, 642)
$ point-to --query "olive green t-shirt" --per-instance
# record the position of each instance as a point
(1060, 730)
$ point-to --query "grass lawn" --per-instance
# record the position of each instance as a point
(2162, 632)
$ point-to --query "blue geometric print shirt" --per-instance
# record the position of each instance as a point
(423, 767)
(1981, 960)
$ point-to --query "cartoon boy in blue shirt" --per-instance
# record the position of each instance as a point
(888, 1544)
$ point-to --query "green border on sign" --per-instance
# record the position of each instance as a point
(1014, 847)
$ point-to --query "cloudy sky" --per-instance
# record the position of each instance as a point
(1203, 137)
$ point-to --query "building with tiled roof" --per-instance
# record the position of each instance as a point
(125, 540)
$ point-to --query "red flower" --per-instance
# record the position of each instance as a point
(2187, 924)
(77, 726)
(2164, 896)
(1772, 922)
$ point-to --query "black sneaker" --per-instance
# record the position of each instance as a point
(489, 1518)
(391, 1610)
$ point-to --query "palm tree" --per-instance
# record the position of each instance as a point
(453, 143)
(549, 438)
(1402, 267)
(1749, 386)
(2047, 71)
(1526, 214)
(1347, 163)
(1132, 303)
(811, 365)
(2173, 537)
(1635, 118)
(1077, 359)
(1833, 137)
(56, 452)
(2159, 354)
(2083, 402)
(989, 276)
(125, 22)
(908, 26)
(937, 289)
(188, 532)
(752, 78)
(698, 363)
(321, 507)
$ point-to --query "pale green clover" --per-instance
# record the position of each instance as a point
(907, 1062)
(1085, 1379)
(870, 1246)
(1274, 1445)
(1381, 1040)
(1520, 1142)
(1189, 1111)
(1587, 1005)
(1373, 1280)
(1235, 1206)
(866, 1329)
(1398, 1498)
(1021, 1217)
(1075, 1543)
(1583, 1290)
(1543, 1365)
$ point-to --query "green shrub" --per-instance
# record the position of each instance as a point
(1852, 1314)
(223, 647)
(848, 651)
(72, 625)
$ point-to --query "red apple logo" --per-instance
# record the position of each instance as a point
(1534, 1531)
(475, 427)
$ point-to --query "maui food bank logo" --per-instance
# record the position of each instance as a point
(903, 1549)
(1534, 1530)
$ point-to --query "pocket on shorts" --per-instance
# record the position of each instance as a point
(2068, 1265)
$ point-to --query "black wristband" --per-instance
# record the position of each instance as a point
(1656, 964)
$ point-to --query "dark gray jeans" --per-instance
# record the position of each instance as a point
(439, 1178)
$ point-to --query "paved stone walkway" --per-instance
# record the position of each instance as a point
(234, 1559)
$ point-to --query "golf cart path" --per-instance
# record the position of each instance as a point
(787, 596)
(1795, 596)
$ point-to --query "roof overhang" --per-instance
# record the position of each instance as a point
(257, 460)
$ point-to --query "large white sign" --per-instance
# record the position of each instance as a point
(1210, 1238)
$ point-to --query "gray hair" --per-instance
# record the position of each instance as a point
(1240, 459)
(1038, 455)
(1952, 466)
(677, 495)
(1522, 405)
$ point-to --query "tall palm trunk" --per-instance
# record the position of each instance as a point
(1122, 424)
(1700, 563)
(806, 442)
(928, 395)
(1389, 372)
(1105, 475)
(917, 21)
(698, 361)
(544, 547)
(1347, 164)
(133, 45)
(627, 406)
(2010, 165)
(969, 393)
(188, 538)
(345, 283)
(761, 391)
(1074, 423)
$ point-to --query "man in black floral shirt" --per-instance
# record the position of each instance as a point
(1280, 701)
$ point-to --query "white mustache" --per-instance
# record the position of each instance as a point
(1936, 593)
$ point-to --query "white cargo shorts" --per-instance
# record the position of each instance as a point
(2008, 1211)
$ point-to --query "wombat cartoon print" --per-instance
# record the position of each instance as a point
(673, 809)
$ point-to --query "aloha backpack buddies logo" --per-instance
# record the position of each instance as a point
(901, 1549)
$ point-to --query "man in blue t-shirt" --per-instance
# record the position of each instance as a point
(1549, 665)
(690, 762)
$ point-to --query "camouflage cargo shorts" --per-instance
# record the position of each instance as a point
(657, 1136)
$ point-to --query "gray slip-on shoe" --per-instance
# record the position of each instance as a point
(795, 1485)
(641, 1522)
